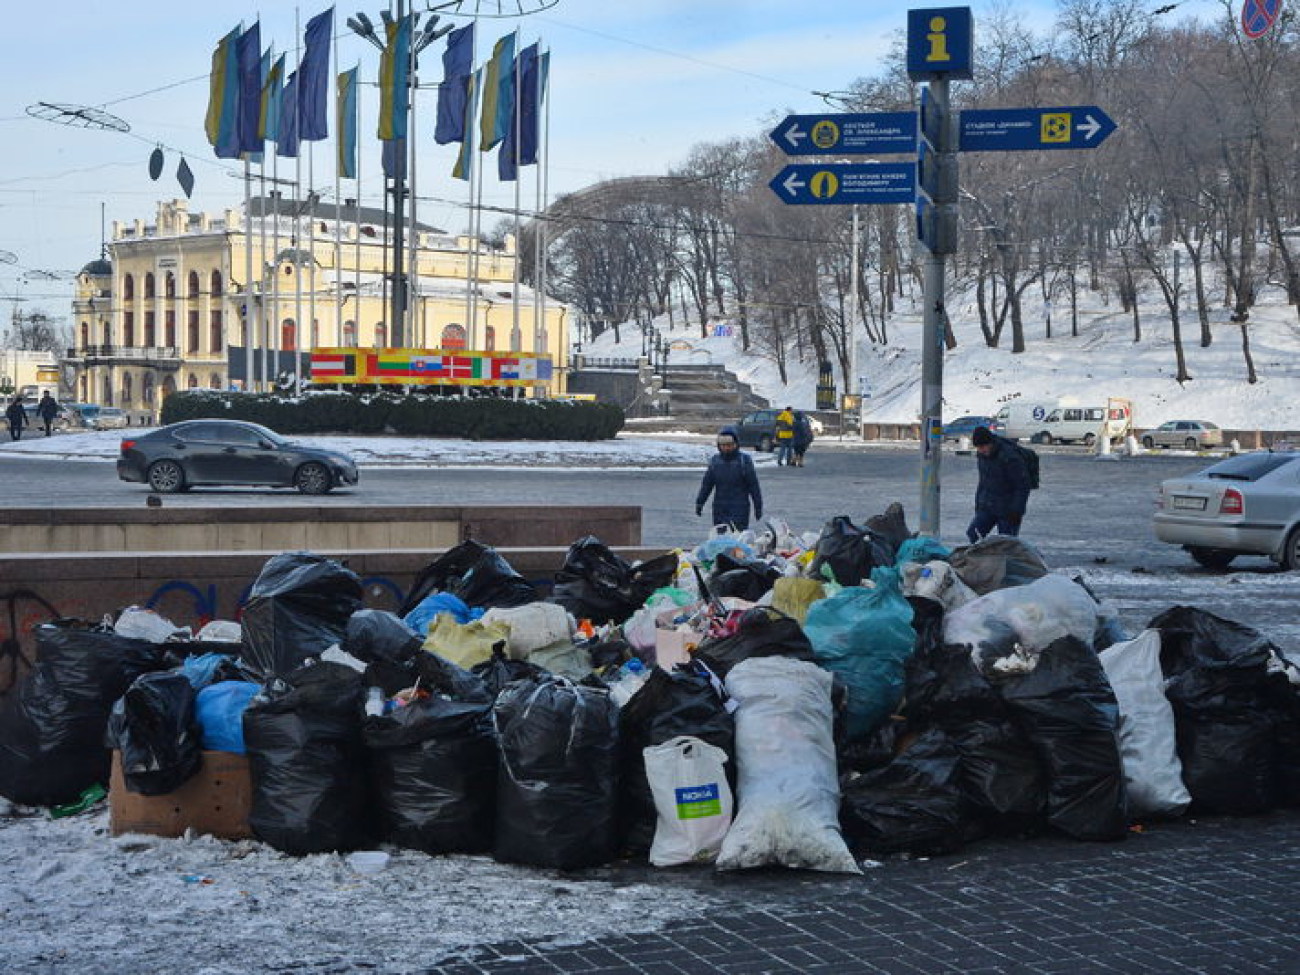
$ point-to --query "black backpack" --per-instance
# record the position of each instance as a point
(1031, 464)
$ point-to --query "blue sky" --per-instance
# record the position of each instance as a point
(634, 86)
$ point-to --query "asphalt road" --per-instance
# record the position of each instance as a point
(1091, 516)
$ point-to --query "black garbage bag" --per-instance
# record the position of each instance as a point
(608, 655)
(474, 573)
(849, 552)
(1000, 772)
(155, 725)
(433, 764)
(760, 632)
(746, 579)
(599, 585)
(307, 761)
(890, 527)
(683, 702)
(298, 608)
(501, 671)
(376, 634)
(1230, 712)
(52, 725)
(1067, 709)
(557, 784)
(912, 805)
(430, 672)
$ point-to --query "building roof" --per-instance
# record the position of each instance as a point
(100, 267)
(276, 204)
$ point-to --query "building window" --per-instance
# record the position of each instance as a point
(349, 334)
(193, 331)
(453, 337)
(193, 382)
(214, 332)
(216, 284)
(146, 388)
(85, 334)
(214, 381)
(381, 335)
(149, 285)
(108, 334)
(126, 389)
(108, 391)
(150, 330)
(169, 285)
(288, 335)
(194, 284)
(490, 338)
(128, 329)
(169, 329)
(128, 287)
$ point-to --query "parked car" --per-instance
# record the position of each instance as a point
(758, 429)
(195, 453)
(1245, 505)
(1188, 434)
(964, 426)
(110, 418)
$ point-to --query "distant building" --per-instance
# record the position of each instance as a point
(165, 310)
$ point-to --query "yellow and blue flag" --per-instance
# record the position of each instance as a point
(394, 75)
(345, 123)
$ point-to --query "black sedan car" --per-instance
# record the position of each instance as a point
(194, 453)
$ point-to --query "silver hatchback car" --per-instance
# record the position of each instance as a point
(1244, 505)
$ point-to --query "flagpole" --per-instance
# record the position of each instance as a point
(261, 231)
(356, 332)
(338, 209)
(249, 313)
(543, 181)
(516, 340)
(415, 332)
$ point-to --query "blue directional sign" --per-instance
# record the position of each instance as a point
(846, 183)
(1010, 129)
(810, 135)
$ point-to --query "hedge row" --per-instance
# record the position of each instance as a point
(474, 418)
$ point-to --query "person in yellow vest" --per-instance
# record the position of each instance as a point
(785, 437)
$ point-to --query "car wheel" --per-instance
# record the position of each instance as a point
(1045, 438)
(1190, 443)
(765, 444)
(1212, 558)
(313, 479)
(1089, 439)
(166, 476)
(1148, 443)
(1291, 551)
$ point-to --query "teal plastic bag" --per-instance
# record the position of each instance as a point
(922, 549)
(864, 634)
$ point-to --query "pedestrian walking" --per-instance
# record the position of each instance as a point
(803, 437)
(785, 437)
(1004, 484)
(47, 409)
(733, 482)
(17, 418)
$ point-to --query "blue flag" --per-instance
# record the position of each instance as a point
(288, 142)
(314, 78)
(457, 66)
(519, 147)
(248, 56)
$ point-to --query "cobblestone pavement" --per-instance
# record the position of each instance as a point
(1214, 895)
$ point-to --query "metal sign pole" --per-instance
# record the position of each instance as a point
(932, 363)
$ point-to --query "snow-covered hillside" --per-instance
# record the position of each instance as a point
(1103, 361)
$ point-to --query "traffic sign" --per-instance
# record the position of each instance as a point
(1259, 16)
(1008, 129)
(808, 135)
(846, 183)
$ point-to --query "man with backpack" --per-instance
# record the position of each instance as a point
(1004, 485)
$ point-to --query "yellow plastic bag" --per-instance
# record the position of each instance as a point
(465, 644)
(793, 596)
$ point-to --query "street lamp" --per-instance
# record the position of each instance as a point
(363, 27)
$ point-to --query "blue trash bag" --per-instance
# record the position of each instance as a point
(433, 605)
(220, 709)
(922, 549)
(865, 635)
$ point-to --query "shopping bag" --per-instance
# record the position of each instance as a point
(692, 798)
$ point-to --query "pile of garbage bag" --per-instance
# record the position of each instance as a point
(766, 698)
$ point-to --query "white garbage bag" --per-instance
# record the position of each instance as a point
(533, 626)
(938, 581)
(144, 624)
(688, 780)
(788, 793)
(1147, 742)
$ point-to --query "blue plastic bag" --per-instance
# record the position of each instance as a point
(922, 549)
(220, 709)
(865, 635)
(434, 605)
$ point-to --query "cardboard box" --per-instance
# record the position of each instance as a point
(216, 800)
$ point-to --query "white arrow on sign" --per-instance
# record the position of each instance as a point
(1089, 127)
(794, 135)
(793, 184)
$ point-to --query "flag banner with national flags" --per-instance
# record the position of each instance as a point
(453, 93)
(345, 110)
(223, 98)
(394, 74)
(430, 367)
(313, 78)
(498, 94)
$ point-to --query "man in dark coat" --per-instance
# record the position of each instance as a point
(17, 418)
(732, 481)
(1003, 491)
(47, 409)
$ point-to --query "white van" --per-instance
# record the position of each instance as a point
(1055, 423)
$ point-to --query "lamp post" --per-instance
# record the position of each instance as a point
(363, 27)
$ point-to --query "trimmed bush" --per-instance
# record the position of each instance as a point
(416, 415)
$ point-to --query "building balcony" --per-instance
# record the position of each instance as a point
(162, 356)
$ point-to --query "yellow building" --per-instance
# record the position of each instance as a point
(166, 309)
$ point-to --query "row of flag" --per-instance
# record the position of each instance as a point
(252, 101)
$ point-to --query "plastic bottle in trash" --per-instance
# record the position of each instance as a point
(630, 678)
(375, 702)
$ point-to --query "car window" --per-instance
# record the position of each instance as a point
(1249, 467)
(1053, 417)
(193, 432)
(1094, 414)
(242, 436)
(1209, 426)
(1167, 427)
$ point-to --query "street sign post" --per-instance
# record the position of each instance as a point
(820, 183)
(1012, 129)
(810, 135)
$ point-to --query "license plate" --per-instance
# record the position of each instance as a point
(1189, 504)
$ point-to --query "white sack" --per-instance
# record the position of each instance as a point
(533, 626)
(688, 780)
(145, 624)
(1147, 742)
(938, 581)
(788, 792)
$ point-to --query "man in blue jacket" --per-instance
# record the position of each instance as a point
(1003, 491)
(732, 481)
